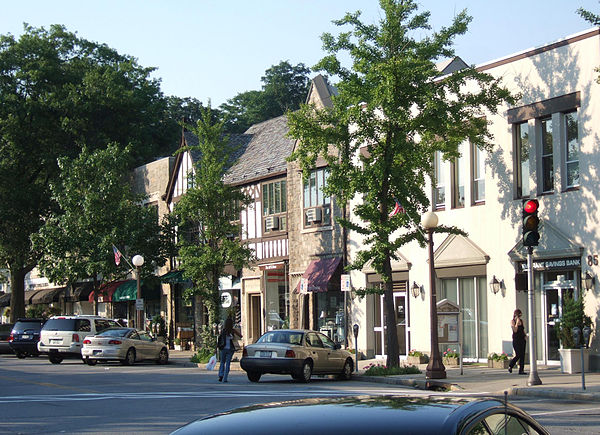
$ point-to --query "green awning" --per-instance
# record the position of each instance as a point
(173, 277)
(128, 291)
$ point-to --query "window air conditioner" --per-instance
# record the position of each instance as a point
(272, 223)
(313, 215)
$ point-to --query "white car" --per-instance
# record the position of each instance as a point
(63, 336)
(127, 345)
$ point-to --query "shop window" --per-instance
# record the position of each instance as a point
(317, 205)
(571, 126)
(439, 189)
(330, 311)
(277, 299)
(274, 206)
(522, 151)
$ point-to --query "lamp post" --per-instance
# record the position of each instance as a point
(435, 368)
(138, 261)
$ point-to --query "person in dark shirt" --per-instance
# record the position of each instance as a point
(518, 338)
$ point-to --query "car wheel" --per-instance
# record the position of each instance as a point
(254, 376)
(163, 356)
(305, 373)
(21, 355)
(346, 374)
(55, 359)
(91, 362)
(129, 357)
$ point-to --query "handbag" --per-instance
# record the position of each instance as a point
(212, 362)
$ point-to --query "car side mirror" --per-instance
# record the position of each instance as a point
(337, 346)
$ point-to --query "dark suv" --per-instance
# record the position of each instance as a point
(24, 337)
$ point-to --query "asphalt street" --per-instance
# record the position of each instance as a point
(39, 397)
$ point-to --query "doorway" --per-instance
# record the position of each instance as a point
(553, 298)
(380, 327)
(254, 325)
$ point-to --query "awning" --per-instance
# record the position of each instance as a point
(128, 292)
(82, 290)
(29, 296)
(47, 296)
(5, 300)
(174, 277)
(106, 291)
(318, 274)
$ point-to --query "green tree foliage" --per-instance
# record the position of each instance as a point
(594, 20)
(392, 101)
(57, 93)
(207, 214)
(96, 209)
(284, 88)
(573, 315)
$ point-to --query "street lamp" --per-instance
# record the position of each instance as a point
(138, 261)
(435, 368)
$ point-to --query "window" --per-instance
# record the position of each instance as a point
(571, 125)
(317, 205)
(547, 157)
(439, 190)
(478, 175)
(522, 150)
(274, 206)
(458, 185)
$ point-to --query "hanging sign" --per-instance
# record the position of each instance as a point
(345, 284)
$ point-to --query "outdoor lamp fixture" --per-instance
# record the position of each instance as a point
(416, 290)
(323, 315)
(588, 282)
(138, 261)
(435, 368)
(495, 285)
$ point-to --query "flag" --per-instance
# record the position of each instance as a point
(397, 208)
(117, 255)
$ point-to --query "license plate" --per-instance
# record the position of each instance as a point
(96, 352)
(26, 337)
(55, 341)
(265, 354)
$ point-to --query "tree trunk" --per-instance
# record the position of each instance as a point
(17, 300)
(391, 336)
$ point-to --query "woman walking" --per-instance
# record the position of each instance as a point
(518, 338)
(225, 344)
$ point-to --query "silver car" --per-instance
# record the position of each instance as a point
(127, 345)
(300, 353)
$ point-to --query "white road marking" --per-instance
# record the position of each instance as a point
(567, 411)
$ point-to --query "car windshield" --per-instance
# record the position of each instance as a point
(286, 337)
(115, 332)
(21, 327)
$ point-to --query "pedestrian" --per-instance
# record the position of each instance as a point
(227, 348)
(518, 338)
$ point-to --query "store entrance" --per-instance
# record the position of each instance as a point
(380, 328)
(553, 302)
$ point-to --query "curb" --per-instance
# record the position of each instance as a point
(553, 394)
(421, 384)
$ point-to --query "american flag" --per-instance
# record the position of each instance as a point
(117, 255)
(397, 208)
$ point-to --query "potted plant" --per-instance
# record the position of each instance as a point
(450, 357)
(416, 357)
(498, 360)
(573, 315)
(177, 344)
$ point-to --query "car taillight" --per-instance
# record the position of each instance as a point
(290, 353)
(114, 342)
(11, 337)
(76, 338)
(245, 352)
(87, 342)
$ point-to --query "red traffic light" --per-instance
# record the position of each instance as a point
(531, 206)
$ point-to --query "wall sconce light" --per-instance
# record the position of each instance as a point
(323, 315)
(588, 281)
(495, 285)
(415, 290)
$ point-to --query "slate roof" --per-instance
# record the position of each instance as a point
(264, 149)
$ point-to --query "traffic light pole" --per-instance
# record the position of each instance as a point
(533, 379)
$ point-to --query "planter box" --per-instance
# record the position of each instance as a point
(501, 364)
(177, 346)
(416, 360)
(570, 360)
(450, 361)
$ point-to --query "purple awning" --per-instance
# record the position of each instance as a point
(319, 273)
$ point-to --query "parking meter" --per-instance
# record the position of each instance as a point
(355, 330)
(576, 334)
(587, 331)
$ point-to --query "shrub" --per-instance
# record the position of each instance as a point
(451, 353)
(202, 356)
(498, 357)
(416, 353)
(573, 315)
(381, 370)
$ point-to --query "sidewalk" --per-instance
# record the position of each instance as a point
(474, 380)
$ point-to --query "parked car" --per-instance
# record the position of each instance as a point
(25, 336)
(5, 329)
(382, 414)
(300, 353)
(62, 336)
(127, 345)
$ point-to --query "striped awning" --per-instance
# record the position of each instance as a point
(106, 291)
(47, 296)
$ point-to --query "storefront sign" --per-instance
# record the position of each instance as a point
(553, 264)
(226, 299)
(271, 266)
(345, 285)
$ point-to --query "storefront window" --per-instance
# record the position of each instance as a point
(277, 305)
(330, 311)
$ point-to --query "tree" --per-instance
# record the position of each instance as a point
(284, 88)
(594, 20)
(96, 209)
(207, 214)
(57, 93)
(393, 102)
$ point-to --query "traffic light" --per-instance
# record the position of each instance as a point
(531, 221)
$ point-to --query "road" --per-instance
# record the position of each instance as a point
(39, 397)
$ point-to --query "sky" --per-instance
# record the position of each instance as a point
(215, 49)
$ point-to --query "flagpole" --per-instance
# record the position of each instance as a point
(122, 256)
